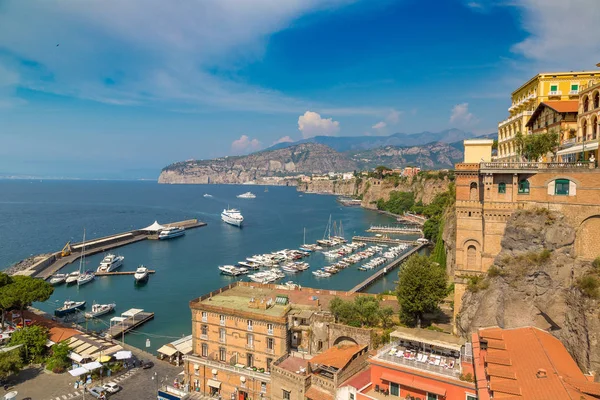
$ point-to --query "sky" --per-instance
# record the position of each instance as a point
(120, 89)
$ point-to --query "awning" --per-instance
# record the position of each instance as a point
(92, 366)
(123, 355)
(155, 227)
(78, 371)
(432, 338)
(103, 359)
(578, 148)
(75, 357)
(167, 350)
(213, 384)
(412, 383)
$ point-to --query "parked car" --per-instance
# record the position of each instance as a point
(147, 365)
(98, 392)
(111, 387)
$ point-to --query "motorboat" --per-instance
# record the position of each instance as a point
(69, 307)
(86, 277)
(230, 270)
(141, 274)
(110, 262)
(321, 274)
(207, 195)
(170, 233)
(57, 279)
(247, 195)
(249, 264)
(72, 277)
(232, 216)
(100, 309)
(291, 285)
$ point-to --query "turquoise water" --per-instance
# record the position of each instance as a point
(41, 216)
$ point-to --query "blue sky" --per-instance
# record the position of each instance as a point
(106, 88)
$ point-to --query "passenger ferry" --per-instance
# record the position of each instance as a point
(247, 195)
(232, 217)
(110, 262)
(170, 233)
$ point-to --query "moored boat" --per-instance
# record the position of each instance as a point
(69, 307)
(141, 274)
(72, 277)
(110, 263)
(100, 309)
(57, 279)
(86, 277)
(170, 233)
(230, 270)
(247, 195)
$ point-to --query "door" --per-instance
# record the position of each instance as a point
(394, 389)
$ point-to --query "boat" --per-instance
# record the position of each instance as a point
(266, 190)
(100, 309)
(86, 277)
(207, 195)
(249, 264)
(291, 285)
(58, 279)
(321, 274)
(232, 216)
(72, 277)
(110, 262)
(69, 307)
(230, 270)
(170, 233)
(247, 195)
(141, 274)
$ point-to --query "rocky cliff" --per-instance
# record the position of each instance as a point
(429, 156)
(303, 158)
(537, 281)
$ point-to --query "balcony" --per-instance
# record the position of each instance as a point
(421, 360)
(554, 93)
(269, 331)
(237, 369)
(204, 337)
(531, 166)
(515, 117)
(250, 328)
(222, 322)
(573, 92)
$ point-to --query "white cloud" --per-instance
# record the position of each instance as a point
(244, 145)
(285, 139)
(461, 117)
(311, 124)
(379, 125)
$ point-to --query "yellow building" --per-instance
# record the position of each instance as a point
(544, 87)
(478, 150)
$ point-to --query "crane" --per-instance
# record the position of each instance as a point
(66, 251)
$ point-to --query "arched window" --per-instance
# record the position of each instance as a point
(502, 187)
(561, 187)
(596, 99)
(524, 186)
(594, 128)
(473, 192)
(471, 257)
(586, 103)
(584, 129)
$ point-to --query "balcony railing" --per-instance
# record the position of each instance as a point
(572, 92)
(424, 366)
(535, 165)
(269, 331)
(515, 117)
(263, 376)
(555, 93)
(204, 337)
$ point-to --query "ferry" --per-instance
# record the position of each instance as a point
(69, 307)
(247, 195)
(110, 262)
(232, 217)
(230, 270)
(170, 233)
(141, 274)
(100, 309)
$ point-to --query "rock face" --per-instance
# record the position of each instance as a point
(429, 156)
(303, 158)
(534, 283)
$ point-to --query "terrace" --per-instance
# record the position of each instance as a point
(520, 167)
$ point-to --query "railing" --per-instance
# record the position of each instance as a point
(204, 337)
(467, 166)
(555, 93)
(452, 372)
(515, 117)
(232, 368)
(535, 165)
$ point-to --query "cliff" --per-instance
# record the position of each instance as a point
(537, 281)
(429, 156)
(303, 158)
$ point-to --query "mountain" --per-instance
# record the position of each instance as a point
(302, 158)
(429, 156)
(356, 143)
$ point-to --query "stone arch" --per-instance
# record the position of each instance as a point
(586, 104)
(587, 243)
(344, 340)
(473, 191)
(595, 127)
(584, 129)
(471, 255)
(596, 99)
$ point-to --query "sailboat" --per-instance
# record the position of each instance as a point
(306, 247)
(73, 277)
(326, 241)
(87, 276)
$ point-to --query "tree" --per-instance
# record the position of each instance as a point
(532, 147)
(10, 363)
(25, 290)
(7, 301)
(422, 285)
(363, 311)
(33, 338)
(59, 360)
(385, 315)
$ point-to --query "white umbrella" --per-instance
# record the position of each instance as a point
(123, 355)
(78, 371)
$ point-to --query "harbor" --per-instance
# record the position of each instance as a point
(112, 273)
(398, 230)
(382, 240)
(128, 321)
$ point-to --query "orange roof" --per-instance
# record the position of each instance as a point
(337, 356)
(314, 393)
(359, 380)
(535, 365)
(563, 106)
(58, 334)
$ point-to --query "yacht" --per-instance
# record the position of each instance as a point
(72, 277)
(86, 277)
(69, 307)
(247, 195)
(100, 309)
(249, 264)
(207, 195)
(232, 271)
(110, 262)
(232, 217)
(141, 274)
(170, 233)
(58, 279)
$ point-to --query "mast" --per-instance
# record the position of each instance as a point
(304, 242)
(82, 259)
(341, 229)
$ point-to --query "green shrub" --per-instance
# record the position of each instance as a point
(495, 271)
(589, 286)
(476, 283)
(596, 264)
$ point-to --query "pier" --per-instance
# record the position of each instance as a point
(56, 261)
(128, 321)
(150, 271)
(398, 230)
(381, 240)
(387, 268)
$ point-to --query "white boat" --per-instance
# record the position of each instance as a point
(69, 307)
(110, 262)
(170, 233)
(141, 274)
(291, 285)
(207, 195)
(100, 309)
(249, 264)
(72, 277)
(86, 277)
(247, 195)
(58, 278)
(232, 216)
(321, 274)
(230, 270)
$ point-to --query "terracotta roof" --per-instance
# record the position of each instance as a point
(58, 334)
(293, 364)
(359, 380)
(496, 344)
(315, 393)
(337, 356)
(563, 106)
(539, 367)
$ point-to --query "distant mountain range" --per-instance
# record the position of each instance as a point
(357, 143)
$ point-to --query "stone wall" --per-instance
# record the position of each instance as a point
(338, 334)
(294, 383)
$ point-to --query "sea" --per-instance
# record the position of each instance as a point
(40, 216)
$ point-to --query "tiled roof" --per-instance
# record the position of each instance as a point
(337, 356)
(314, 393)
(359, 380)
(563, 106)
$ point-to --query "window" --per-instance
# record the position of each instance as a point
(394, 389)
(249, 324)
(431, 396)
(204, 316)
(502, 187)
(204, 350)
(351, 396)
(222, 320)
(250, 340)
(222, 354)
(524, 186)
(249, 360)
(263, 387)
(204, 330)
(270, 343)
(319, 345)
(471, 397)
(222, 335)
(269, 361)
(269, 329)
(286, 395)
(553, 88)
(574, 88)
(561, 187)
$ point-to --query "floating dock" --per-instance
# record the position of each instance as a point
(382, 240)
(128, 321)
(387, 268)
(150, 271)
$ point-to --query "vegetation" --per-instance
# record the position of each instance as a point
(10, 363)
(363, 311)
(34, 339)
(434, 226)
(477, 283)
(532, 147)
(596, 264)
(22, 291)
(59, 361)
(495, 271)
(589, 286)
(398, 203)
(380, 171)
(422, 285)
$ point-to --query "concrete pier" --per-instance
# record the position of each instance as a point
(150, 271)
(130, 320)
(382, 240)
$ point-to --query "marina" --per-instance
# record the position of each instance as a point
(399, 230)
(150, 271)
(382, 240)
(128, 321)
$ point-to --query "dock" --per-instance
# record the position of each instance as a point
(382, 240)
(150, 271)
(128, 321)
(397, 230)
(386, 269)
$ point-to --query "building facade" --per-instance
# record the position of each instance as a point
(559, 117)
(544, 87)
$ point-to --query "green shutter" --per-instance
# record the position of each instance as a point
(502, 187)
(553, 88)
(574, 87)
(561, 187)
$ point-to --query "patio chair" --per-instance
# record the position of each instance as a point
(377, 390)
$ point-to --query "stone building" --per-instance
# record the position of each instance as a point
(487, 193)
(558, 117)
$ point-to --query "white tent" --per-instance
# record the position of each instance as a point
(122, 355)
(92, 365)
(78, 371)
(155, 227)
